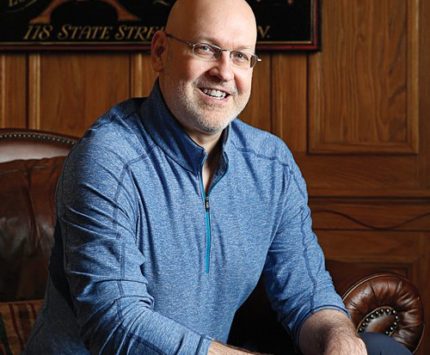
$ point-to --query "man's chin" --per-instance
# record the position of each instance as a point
(211, 131)
(212, 127)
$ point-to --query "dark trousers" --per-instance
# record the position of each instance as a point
(380, 344)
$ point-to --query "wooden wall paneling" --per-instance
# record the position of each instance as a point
(142, 75)
(68, 91)
(365, 81)
(363, 111)
(424, 104)
(401, 214)
(289, 99)
(13, 90)
(378, 247)
(354, 175)
(258, 110)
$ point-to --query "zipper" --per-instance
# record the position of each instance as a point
(208, 217)
(208, 226)
(208, 234)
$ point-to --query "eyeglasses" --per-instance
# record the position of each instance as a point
(210, 52)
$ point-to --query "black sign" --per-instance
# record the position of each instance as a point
(130, 24)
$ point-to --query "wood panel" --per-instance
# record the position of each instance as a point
(68, 92)
(142, 76)
(354, 175)
(257, 112)
(382, 247)
(363, 103)
(13, 89)
(400, 214)
(367, 159)
(424, 104)
(364, 92)
(289, 99)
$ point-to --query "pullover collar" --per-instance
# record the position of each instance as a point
(167, 133)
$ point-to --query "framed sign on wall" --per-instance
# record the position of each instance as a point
(130, 24)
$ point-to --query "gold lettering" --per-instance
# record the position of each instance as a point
(263, 31)
(46, 32)
(84, 33)
(119, 36)
(38, 32)
(28, 33)
(105, 35)
(124, 32)
(136, 33)
(13, 3)
(140, 33)
(151, 31)
(64, 32)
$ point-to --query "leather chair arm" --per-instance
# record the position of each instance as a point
(387, 303)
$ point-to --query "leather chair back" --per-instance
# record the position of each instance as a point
(30, 164)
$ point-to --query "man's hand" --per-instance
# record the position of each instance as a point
(220, 349)
(330, 332)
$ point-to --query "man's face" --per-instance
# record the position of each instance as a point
(206, 95)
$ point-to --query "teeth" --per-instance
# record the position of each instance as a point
(215, 93)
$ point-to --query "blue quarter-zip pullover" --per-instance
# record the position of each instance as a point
(145, 262)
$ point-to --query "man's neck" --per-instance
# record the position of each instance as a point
(208, 142)
(211, 165)
(212, 146)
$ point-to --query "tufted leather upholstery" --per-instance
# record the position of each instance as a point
(30, 164)
(387, 303)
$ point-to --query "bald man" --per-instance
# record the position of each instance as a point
(170, 208)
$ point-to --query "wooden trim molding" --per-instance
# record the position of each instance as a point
(34, 91)
(3, 93)
(394, 214)
(413, 102)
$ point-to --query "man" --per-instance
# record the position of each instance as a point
(169, 210)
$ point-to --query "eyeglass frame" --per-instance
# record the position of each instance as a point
(217, 51)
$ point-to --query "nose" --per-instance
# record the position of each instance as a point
(223, 67)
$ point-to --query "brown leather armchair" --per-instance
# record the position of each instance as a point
(30, 164)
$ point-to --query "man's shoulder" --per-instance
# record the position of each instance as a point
(120, 114)
(120, 122)
(118, 132)
(258, 142)
(127, 107)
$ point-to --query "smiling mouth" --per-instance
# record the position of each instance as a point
(217, 94)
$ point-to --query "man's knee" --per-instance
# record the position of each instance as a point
(380, 344)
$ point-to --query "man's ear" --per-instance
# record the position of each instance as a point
(158, 47)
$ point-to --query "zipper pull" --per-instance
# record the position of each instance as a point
(207, 203)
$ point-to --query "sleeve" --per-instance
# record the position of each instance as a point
(97, 213)
(297, 282)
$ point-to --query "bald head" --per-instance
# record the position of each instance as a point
(191, 18)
